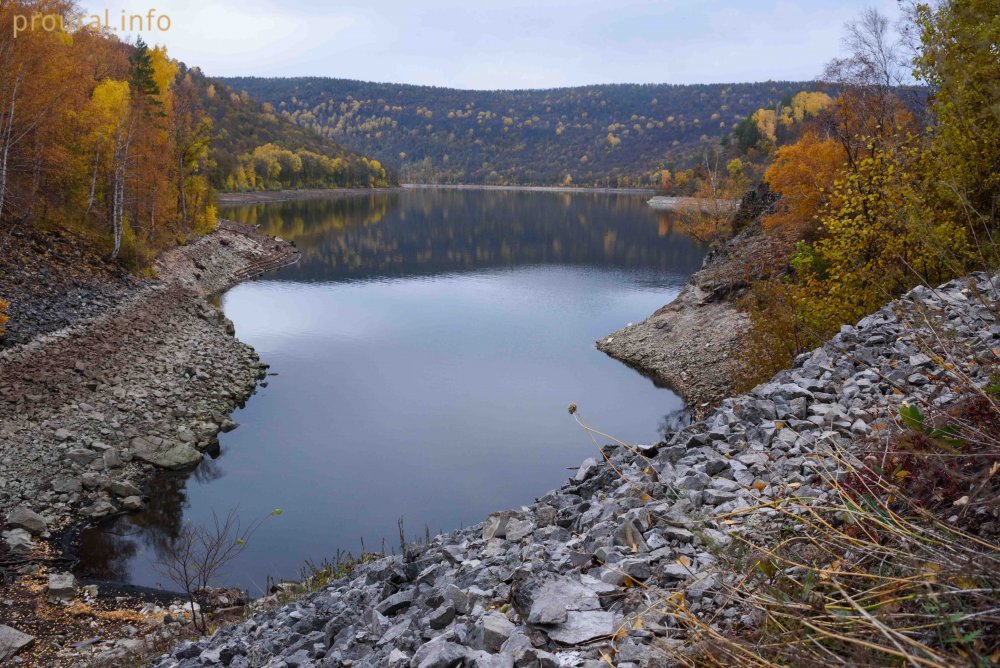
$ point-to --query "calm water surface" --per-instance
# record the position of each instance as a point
(423, 354)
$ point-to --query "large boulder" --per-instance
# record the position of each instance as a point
(25, 518)
(62, 587)
(496, 628)
(65, 485)
(395, 603)
(123, 488)
(180, 456)
(518, 529)
(439, 654)
(557, 597)
(495, 525)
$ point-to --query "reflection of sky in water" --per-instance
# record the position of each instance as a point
(436, 396)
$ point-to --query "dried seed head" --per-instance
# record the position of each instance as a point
(572, 409)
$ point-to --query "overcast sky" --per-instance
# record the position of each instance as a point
(505, 43)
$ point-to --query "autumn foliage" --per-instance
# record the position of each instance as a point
(878, 201)
(123, 145)
(98, 135)
(272, 167)
(804, 173)
(600, 135)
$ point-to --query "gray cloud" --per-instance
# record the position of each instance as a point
(507, 44)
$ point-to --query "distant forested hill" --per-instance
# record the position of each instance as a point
(619, 134)
(253, 148)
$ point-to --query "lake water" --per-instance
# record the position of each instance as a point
(423, 355)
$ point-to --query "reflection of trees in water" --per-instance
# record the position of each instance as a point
(300, 220)
(107, 550)
(674, 421)
(436, 231)
(208, 471)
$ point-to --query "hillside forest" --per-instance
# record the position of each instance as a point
(123, 146)
(604, 135)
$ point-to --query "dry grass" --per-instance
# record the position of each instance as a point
(860, 579)
(313, 577)
(897, 563)
(864, 577)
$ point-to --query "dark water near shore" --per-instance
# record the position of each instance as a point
(424, 352)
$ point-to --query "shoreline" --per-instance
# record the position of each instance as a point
(265, 196)
(91, 412)
(692, 344)
(688, 345)
(546, 189)
(574, 577)
(553, 579)
(686, 203)
(261, 197)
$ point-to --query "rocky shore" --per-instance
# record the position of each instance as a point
(599, 571)
(143, 379)
(52, 280)
(692, 344)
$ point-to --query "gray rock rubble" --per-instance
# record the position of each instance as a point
(557, 583)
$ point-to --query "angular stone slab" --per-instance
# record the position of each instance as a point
(559, 596)
(61, 587)
(178, 457)
(25, 518)
(439, 654)
(583, 626)
(12, 641)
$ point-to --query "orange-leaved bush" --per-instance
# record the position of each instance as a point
(803, 173)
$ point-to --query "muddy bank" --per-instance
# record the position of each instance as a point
(89, 412)
(259, 197)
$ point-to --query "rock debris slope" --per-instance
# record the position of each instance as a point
(88, 411)
(546, 584)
